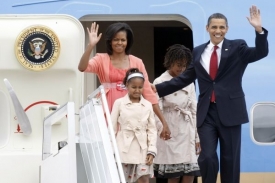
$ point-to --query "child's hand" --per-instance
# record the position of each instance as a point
(149, 159)
(198, 148)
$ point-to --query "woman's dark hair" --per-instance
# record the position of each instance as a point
(129, 72)
(112, 30)
(177, 53)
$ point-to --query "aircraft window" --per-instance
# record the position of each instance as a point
(263, 123)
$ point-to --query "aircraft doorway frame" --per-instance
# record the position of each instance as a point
(90, 80)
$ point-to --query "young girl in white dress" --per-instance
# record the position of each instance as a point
(177, 157)
(135, 128)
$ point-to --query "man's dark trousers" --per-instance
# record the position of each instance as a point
(230, 142)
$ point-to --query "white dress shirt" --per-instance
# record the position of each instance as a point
(206, 55)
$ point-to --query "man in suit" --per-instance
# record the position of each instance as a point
(221, 103)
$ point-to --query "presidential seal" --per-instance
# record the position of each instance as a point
(37, 48)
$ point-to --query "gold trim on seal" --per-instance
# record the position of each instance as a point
(37, 48)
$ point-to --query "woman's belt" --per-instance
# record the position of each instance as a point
(119, 86)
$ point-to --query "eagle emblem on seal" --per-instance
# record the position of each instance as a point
(37, 48)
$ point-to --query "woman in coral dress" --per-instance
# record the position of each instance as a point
(111, 67)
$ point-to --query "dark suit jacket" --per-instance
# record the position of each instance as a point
(230, 98)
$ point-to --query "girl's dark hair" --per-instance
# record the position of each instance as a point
(129, 72)
(177, 53)
(112, 30)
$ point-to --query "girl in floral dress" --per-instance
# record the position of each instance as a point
(135, 128)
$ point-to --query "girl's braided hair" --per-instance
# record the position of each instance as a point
(177, 53)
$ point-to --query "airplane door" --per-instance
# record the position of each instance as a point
(39, 56)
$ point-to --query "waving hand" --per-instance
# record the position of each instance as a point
(92, 32)
(255, 18)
